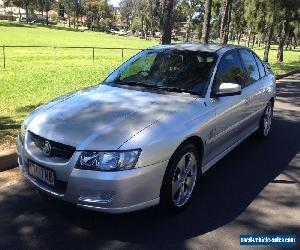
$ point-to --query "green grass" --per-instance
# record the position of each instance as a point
(36, 75)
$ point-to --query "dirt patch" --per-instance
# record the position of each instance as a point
(9, 177)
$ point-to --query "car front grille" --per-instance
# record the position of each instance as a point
(57, 149)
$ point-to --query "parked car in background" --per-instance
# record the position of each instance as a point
(21, 20)
(143, 136)
(39, 21)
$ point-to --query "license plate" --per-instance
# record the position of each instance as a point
(41, 174)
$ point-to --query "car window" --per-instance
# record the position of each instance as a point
(260, 66)
(139, 67)
(230, 70)
(252, 73)
(167, 69)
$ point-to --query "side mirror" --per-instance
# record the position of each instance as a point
(228, 89)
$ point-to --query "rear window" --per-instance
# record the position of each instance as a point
(252, 73)
(260, 66)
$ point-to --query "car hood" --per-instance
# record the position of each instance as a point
(102, 117)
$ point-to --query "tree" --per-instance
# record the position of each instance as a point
(67, 6)
(289, 12)
(146, 15)
(126, 11)
(270, 27)
(167, 21)
(190, 14)
(24, 4)
(215, 25)
(238, 18)
(206, 24)
(45, 6)
(226, 19)
(99, 15)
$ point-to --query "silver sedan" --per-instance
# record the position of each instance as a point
(145, 135)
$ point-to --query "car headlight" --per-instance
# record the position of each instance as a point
(108, 161)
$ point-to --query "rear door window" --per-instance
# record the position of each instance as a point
(252, 73)
(260, 66)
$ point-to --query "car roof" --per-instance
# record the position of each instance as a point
(203, 47)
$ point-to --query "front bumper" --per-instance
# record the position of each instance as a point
(111, 192)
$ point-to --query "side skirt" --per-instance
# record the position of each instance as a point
(225, 152)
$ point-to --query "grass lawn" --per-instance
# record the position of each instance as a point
(36, 75)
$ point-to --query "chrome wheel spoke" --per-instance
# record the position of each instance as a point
(175, 188)
(190, 163)
(184, 179)
(180, 194)
(268, 120)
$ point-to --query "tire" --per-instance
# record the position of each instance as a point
(265, 122)
(180, 178)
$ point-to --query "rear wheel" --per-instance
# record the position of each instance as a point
(266, 121)
(180, 179)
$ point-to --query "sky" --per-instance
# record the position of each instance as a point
(115, 2)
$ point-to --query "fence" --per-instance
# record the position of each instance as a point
(54, 48)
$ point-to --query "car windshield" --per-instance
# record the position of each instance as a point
(171, 70)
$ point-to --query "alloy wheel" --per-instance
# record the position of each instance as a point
(268, 119)
(184, 179)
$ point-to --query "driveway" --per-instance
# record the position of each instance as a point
(254, 190)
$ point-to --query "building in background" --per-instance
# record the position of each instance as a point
(11, 11)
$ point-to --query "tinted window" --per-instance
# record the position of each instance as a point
(230, 70)
(260, 66)
(167, 69)
(252, 73)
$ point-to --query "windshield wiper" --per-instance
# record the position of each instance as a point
(178, 90)
(132, 83)
(151, 86)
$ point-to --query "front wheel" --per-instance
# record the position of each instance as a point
(180, 179)
(266, 121)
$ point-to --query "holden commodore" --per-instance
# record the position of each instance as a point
(145, 135)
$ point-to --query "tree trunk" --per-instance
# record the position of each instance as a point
(167, 21)
(249, 38)
(74, 21)
(199, 34)
(142, 23)
(239, 37)
(282, 39)
(270, 35)
(127, 21)
(226, 19)
(187, 33)
(220, 22)
(47, 18)
(280, 48)
(26, 11)
(206, 23)
(295, 41)
(287, 44)
(253, 41)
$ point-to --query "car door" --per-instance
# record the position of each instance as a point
(252, 92)
(228, 109)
